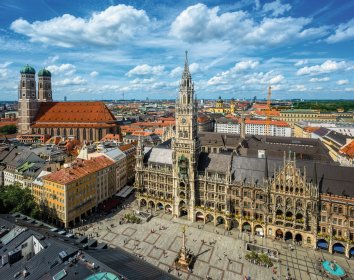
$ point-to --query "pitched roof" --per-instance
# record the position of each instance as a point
(82, 169)
(348, 149)
(74, 112)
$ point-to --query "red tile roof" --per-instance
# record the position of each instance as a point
(79, 170)
(74, 112)
(126, 147)
(348, 149)
(111, 137)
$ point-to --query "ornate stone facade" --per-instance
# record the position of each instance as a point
(219, 179)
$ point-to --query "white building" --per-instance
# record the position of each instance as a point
(345, 128)
(120, 167)
(253, 127)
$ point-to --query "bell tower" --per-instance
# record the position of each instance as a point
(186, 147)
(27, 100)
(44, 85)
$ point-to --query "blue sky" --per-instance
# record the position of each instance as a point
(100, 49)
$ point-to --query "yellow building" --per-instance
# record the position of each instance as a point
(296, 115)
(222, 108)
(70, 194)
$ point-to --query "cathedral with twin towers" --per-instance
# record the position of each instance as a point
(40, 115)
(276, 187)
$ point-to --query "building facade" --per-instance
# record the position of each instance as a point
(71, 194)
(219, 179)
(253, 127)
(38, 114)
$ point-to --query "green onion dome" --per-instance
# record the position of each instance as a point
(44, 73)
(27, 70)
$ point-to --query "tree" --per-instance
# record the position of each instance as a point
(8, 129)
(15, 199)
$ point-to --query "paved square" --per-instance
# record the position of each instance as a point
(220, 256)
(129, 231)
(109, 236)
(156, 253)
(215, 273)
(235, 266)
(205, 253)
(152, 238)
(176, 244)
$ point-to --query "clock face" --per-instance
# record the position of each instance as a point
(184, 120)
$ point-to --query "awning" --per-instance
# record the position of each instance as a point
(125, 191)
(322, 244)
(338, 248)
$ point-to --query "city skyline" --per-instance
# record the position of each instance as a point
(100, 50)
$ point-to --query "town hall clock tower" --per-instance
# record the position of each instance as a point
(186, 148)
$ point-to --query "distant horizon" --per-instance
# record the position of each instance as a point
(173, 99)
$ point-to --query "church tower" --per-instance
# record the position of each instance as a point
(44, 85)
(186, 147)
(27, 100)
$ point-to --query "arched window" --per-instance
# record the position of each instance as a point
(84, 134)
(71, 132)
(40, 85)
(91, 134)
(23, 83)
(77, 133)
(52, 132)
(45, 131)
(58, 131)
(99, 133)
(64, 132)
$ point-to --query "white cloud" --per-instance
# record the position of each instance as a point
(198, 23)
(194, 68)
(326, 67)
(257, 4)
(68, 82)
(145, 69)
(65, 69)
(176, 72)
(242, 66)
(301, 62)
(106, 28)
(315, 80)
(342, 82)
(4, 72)
(298, 88)
(276, 8)
(344, 32)
(51, 59)
(5, 64)
(94, 74)
(349, 89)
(245, 65)
(216, 80)
(276, 80)
(142, 81)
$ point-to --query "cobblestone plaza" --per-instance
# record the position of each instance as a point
(219, 254)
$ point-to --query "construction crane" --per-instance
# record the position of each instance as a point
(269, 97)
